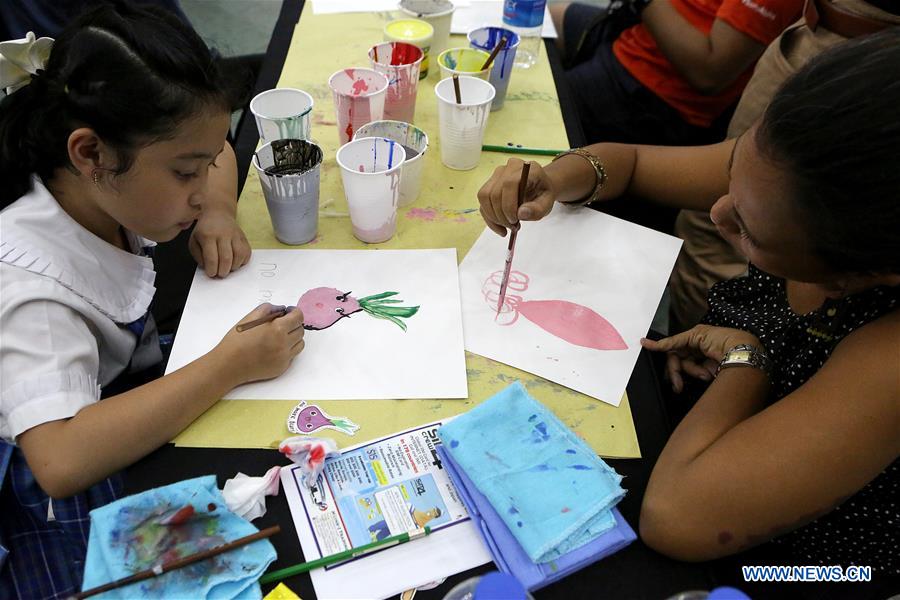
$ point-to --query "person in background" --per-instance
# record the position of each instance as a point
(111, 139)
(796, 439)
(663, 71)
(706, 258)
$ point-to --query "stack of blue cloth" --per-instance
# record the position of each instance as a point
(543, 500)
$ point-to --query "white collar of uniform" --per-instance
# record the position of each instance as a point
(38, 235)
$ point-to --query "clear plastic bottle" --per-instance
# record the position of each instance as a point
(490, 586)
(526, 18)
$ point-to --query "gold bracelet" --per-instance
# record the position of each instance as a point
(599, 173)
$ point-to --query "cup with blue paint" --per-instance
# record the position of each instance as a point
(282, 113)
(486, 39)
(370, 172)
(415, 144)
(289, 174)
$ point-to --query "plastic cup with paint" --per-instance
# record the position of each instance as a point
(359, 96)
(437, 12)
(415, 144)
(487, 38)
(412, 31)
(370, 170)
(289, 174)
(282, 113)
(400, 63)
(463, 125)
(464, 61)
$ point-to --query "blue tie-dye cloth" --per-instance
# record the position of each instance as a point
(550, 488)
(130, 535)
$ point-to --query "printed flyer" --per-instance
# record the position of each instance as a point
(376, 490)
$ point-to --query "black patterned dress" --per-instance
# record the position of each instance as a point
(864, 530)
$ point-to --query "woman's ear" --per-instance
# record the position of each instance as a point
(87, 152)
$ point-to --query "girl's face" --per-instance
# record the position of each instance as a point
(760, 219)
(164, 190)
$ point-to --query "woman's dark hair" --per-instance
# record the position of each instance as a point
(835, 129)
(132, 74)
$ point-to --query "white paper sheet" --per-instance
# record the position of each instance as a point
(359, 357)
(327, 7)
(480, 13)
(615, 269)
(353, 495)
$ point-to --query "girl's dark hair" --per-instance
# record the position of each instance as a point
(834, 127)
(132, 74)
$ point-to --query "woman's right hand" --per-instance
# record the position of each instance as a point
(264, 351)
(500, 206)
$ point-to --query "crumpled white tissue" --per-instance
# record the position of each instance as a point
(246, 496)
(310, 454)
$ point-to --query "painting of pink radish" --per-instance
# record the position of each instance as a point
(324, 306)
(566, 320)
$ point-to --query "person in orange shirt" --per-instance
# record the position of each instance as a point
(670, 77)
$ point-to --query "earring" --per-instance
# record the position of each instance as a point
(95, 177)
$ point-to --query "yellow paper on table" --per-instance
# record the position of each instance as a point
(445, 215)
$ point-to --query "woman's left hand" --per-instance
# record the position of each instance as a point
(698, 351)
(218, 244)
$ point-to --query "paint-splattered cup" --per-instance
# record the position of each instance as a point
(289, 174)
(400, 63)
(282, 113)
(370, 171)
(486, 39)
(464, 61)
(438, 13)
(359, 96)
(415, 144)
(463, 124)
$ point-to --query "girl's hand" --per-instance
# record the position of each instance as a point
(698, 351)
(499, 199)
(265, 351)
(217, 243)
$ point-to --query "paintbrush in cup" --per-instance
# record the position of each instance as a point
(179, 563)
(456, 89)
(500, 45)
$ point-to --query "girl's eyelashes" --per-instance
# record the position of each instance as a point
(188, 176)
(746, 236)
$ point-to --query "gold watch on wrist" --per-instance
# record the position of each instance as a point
(599, 174)
(746, 355)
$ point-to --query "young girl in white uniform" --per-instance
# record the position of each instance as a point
(114, 143)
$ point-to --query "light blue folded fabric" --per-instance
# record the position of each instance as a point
(132, 534)
(552, 491)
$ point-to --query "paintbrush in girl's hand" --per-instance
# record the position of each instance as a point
(179, 563)
(277, 311)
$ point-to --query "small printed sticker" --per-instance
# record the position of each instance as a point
(309, 418)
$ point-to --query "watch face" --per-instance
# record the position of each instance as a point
(740, 355)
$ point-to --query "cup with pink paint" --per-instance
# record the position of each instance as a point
(415, 144)
(289, 174)
(370, 171)
(359, 96)
(400, 63)
(462, 124)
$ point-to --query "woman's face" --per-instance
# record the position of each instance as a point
(760, 218)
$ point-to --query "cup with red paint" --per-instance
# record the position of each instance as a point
(359, 95)
(400, 63)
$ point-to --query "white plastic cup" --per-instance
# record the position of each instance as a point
(439, 13)
(412, 31)
(282, 113)
(463, 125)
(415, 144)
(289, 174)
(487, 38)
(400, 62)
(370, 170)
(359, 95)
(464, 61)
